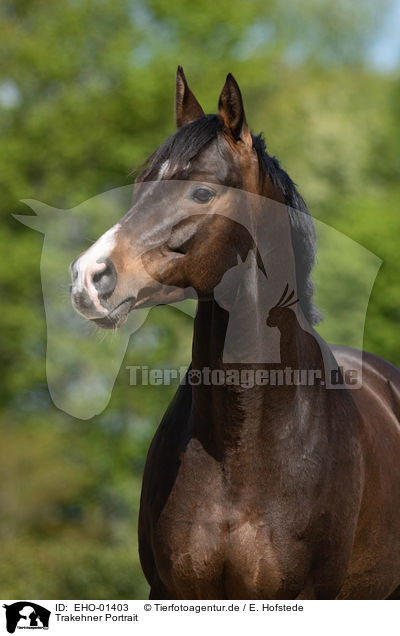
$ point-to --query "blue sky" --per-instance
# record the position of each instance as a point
(384, 52)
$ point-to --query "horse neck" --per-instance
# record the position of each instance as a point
(230, 418)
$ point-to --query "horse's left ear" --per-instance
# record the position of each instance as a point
(231, 111)
(187, 108)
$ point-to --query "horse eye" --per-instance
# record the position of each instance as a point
(202, 195)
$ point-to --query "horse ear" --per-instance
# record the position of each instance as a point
(187, 108)
(231, 111)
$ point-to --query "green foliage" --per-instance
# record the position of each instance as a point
(86, 93)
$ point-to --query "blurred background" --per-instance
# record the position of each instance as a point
(86, 93)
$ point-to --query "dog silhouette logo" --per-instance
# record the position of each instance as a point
(26, 615)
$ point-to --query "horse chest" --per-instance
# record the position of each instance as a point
(206, 546)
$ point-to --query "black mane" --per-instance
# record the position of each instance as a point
(183, 146)
(187, 142)
(302, 229)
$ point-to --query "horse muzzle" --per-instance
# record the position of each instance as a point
(92, 287)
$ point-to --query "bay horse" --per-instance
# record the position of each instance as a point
(268, 492)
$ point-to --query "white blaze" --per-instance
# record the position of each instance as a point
(87, 264)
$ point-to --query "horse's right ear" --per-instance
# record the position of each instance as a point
(187, 108)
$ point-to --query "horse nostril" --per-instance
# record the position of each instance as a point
(105, 280)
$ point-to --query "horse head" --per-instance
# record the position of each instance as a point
(177, 240)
